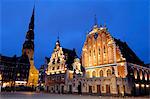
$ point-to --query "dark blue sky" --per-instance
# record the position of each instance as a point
(127, 20)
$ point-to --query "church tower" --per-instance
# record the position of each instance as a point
(28, 49)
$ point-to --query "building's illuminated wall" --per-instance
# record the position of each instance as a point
(57, 61)
(100, 49)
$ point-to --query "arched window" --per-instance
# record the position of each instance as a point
(146, 75)
(141, 75)
(135, 73)
(93, 74)
(109, 72)
(101, 73)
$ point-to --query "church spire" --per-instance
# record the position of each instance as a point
(29, 42)
(31, 25)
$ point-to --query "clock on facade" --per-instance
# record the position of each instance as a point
(95, 35)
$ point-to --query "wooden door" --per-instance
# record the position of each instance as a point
(98, 89)
(107, 89)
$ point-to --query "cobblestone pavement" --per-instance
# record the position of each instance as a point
(33, 95)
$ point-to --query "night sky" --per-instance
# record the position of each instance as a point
(127, 20)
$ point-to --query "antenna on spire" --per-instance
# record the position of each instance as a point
(95, 20)
(31, 25)
(33, 8)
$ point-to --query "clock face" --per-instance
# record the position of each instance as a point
(95, 35)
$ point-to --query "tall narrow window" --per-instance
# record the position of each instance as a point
(99, 51)
(109, 72)
(104, 49)
(101, 73)
(90, 53)
(93, 74)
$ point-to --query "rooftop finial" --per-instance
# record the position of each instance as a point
(58, 37)
(57, 42)
(104, 24)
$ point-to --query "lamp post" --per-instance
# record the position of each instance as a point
(0, 81)
(122, 88)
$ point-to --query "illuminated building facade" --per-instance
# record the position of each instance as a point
(28, 49)
(111, 66)
(41, 80)
(14, 70)
(63, 64)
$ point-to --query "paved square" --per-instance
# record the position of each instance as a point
(33, 95)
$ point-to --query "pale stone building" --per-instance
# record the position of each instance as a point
(61, 67)
(112, 68)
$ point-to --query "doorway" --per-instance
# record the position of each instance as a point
(70, 88)
(108, 89)
(90, 89)
(98, 89)
(79, 88)
(62, 89)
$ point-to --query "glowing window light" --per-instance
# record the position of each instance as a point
(137, 85)
(142, 85)
(147, 86)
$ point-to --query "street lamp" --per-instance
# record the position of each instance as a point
(122, 88)
(0, 81)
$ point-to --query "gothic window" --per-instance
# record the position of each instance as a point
(101, 73)
(93, 74)
(135, 73)
(94, 52)
(141, 75)
(109, 72)
(146, 75)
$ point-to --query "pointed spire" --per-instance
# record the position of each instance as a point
(31, 25)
